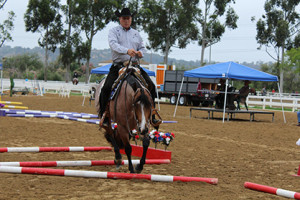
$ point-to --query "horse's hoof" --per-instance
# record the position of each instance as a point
(118, 162)
(118, 167)
(138, 169)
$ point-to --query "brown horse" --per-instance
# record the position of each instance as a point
(75, 81)
(242, 96)
(130, 109)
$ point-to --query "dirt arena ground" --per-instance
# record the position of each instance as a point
(234, 152)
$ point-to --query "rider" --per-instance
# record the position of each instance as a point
(75, 78)
(125, 42)
(75, 75)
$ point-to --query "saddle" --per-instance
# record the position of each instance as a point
(123, 72)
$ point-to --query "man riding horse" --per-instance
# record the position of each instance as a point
(75, 78)
(126, 44)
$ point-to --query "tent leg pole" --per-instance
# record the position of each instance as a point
(157, 96)
(281, 102)
(225, 99)
(178, 96)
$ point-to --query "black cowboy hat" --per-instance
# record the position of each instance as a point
(124, 13)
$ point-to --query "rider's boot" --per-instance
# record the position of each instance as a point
(105, 120)
(155, 122)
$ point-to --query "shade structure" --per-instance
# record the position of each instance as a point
(105, 69)
(230, 70)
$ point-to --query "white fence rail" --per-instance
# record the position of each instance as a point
(60, 87)
(64, 89)
(274, 101)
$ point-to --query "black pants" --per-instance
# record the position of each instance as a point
(110, 79)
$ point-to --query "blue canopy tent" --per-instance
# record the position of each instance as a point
(105, 69)
(229, 70)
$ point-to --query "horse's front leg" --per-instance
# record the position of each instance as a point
(128, 151)
(238, 104)
(146, 143)
(246, 105)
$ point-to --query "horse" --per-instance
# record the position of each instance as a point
(130, 109)
(242, 96)
(75, 81)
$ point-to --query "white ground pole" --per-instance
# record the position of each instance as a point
(281, 102)
(178, 96)
(84, 95)
(225, 100)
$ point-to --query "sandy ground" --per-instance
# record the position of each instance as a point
(235, 152)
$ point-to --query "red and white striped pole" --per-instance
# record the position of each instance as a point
(106, 175)
(51, 149)
(272, 190)
(73, 163)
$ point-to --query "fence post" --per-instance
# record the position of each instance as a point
(264, 102)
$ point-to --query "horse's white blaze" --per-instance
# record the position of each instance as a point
(143, 122)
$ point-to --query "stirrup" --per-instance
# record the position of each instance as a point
(159, 120)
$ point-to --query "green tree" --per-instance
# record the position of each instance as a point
(6, 26)
(43, 16)
(71, 38)
(91, 17)
(24, 65)
(278, 28)
(294, 58)
(211, 27)
(168, 23)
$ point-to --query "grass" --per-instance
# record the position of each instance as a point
(75, 94)
(269, 108)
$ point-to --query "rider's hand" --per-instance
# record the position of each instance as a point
(131, 52)
(139, 54)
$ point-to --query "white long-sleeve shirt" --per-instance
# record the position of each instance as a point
(120, 40)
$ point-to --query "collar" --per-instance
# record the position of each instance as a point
(124, 29)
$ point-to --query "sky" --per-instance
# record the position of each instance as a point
(236, 45)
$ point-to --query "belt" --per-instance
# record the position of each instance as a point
(118, 63)
(122, 63)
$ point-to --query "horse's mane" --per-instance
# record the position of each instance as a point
(143, 99)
